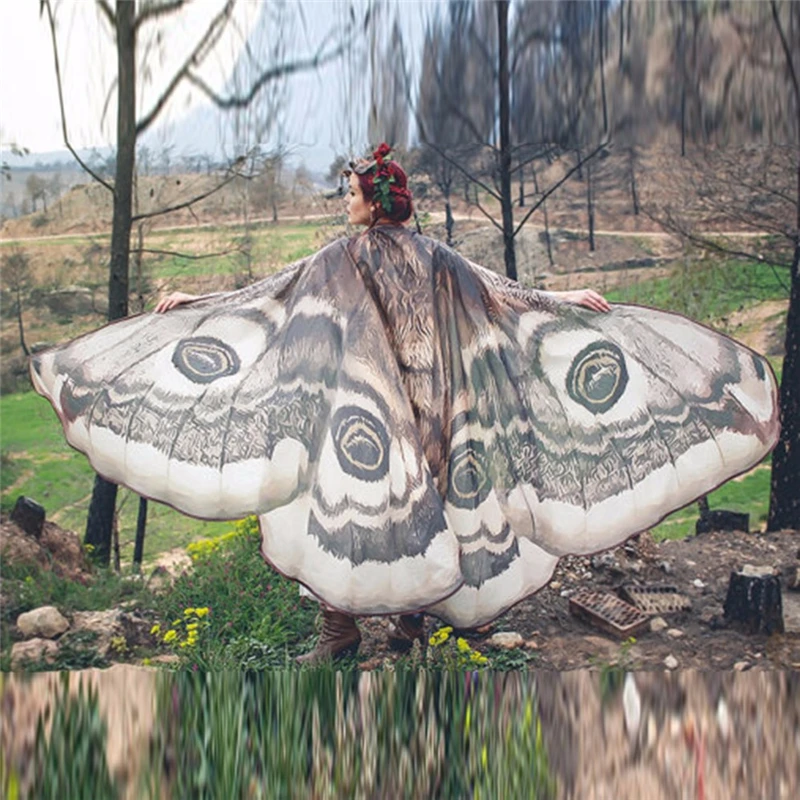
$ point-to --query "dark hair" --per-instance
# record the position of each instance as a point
(391, 176)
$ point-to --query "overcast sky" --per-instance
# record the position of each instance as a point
(29, 113)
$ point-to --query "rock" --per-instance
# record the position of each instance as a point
(666, 567)
(555, 585)
(670, 662)
(752, 571)
(723, 719)
(70, 300)
(46, 621)
(506, 640)
(114, 623)
(698, 584)
(167, 659)
(631, 706)
(793, 577)
(605, 560)
(29, 515)
(675, 633)
(106, 624)
(658, 624)
(741, 666)
(33, 650)
(160, 580)
(531, 644)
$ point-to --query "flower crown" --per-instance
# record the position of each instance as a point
(383, 178)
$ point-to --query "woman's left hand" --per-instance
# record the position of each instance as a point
(586, 297)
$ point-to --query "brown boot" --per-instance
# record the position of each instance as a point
(339, 637)
(405, 629)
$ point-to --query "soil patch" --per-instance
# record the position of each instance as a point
(698, 567)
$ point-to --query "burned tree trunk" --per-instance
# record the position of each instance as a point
(753, 602)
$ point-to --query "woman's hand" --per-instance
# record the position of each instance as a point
(585, 297)
(173, 301)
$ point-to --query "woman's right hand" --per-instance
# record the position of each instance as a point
(173, 300)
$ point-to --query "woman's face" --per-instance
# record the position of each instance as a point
(359, 211)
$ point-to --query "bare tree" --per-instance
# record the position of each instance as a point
(127, 21)
(496, 156)
(755, 188)
(17, 279)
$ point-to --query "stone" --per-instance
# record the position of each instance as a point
(675, 633)
(698, 584)
(115, 623)
(793, 578)
(555, 585)
(29, 515)
(658, 624)
(631, 706)
(32, 650)
(46, 621)
(741, 666)
(106, 624)
(723, 719)
(531, 644)
(160, 580)
(506, 640)
(70, 300)
(670, 662)
(666, 567)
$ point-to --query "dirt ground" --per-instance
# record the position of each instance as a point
(698, 567)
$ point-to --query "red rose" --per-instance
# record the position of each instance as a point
(381, 153)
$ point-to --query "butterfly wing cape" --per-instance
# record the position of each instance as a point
(414, 431)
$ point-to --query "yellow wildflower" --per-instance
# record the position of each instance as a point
(177, 622)
(201, 612)
(463, 645)
(192, 626)
(440, 636)
(188, 612)
(155, 629)
(170, 635)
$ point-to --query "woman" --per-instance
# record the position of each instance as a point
(413, 430)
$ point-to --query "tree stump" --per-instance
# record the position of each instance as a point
(719, 520)
(753, 602)
(29, 515)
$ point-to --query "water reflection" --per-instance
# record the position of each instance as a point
(129, 732)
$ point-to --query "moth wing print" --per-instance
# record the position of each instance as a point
(644, 412)
(586, 428)
(265, 401)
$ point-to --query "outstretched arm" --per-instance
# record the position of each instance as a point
(174, 300)
(584, 297)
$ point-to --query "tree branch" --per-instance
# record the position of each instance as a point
(186, 203)
(108, 13)
(45, 4)
(187, 256)
(461, 169)
(486, 213)
(559, 183)
(208, 40)
(157, 10)
(243, 100)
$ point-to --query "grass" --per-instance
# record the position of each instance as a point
(747, 494)
(256, 618)
(37, 462)
(707, 290)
